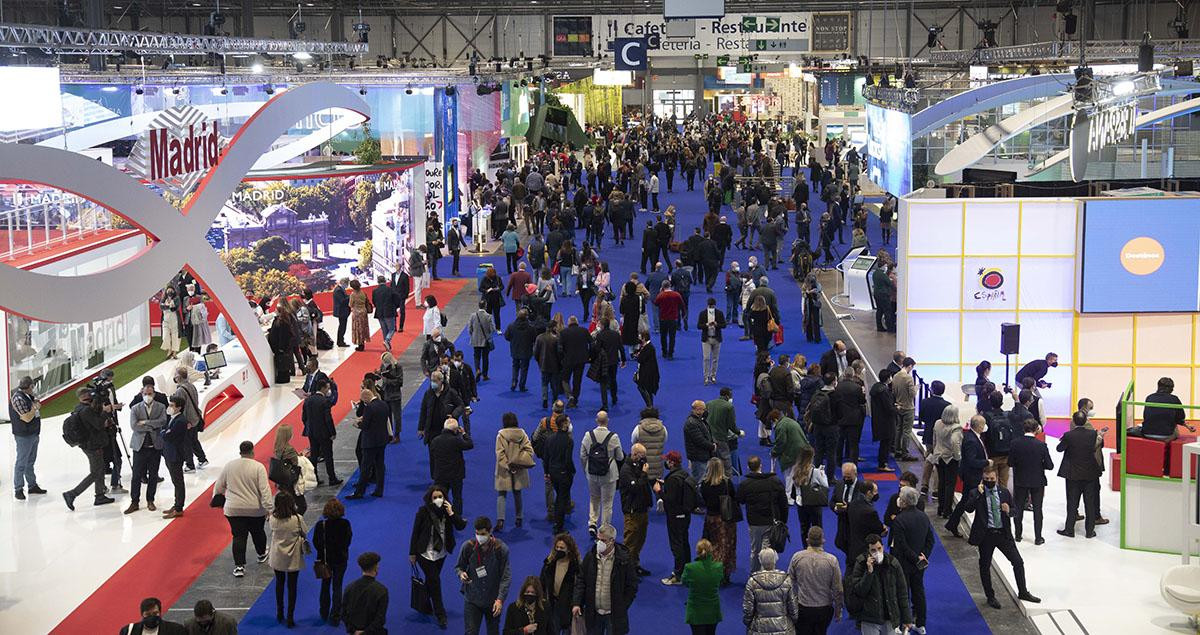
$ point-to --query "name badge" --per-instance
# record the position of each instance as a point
(480, 572)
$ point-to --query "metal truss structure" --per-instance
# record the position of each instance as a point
(905, 99)
(97, 41)
(1098, 51)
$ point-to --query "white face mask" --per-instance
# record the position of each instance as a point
(878, 556)
(457, 364)
(482, 538)
(147, 398)
(438, 502)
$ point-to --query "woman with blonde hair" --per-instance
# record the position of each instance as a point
(810, 490)
(291, 471)
(703, 578)
(721, 521)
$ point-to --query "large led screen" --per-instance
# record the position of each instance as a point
(33, 100)
(889, 149)
(1140, 256)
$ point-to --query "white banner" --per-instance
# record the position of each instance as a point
(730, 35)
(435, 189)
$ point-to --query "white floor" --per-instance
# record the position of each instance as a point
(1109, 589)
(52, 559)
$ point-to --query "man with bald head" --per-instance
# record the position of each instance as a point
(698, 442)
(839, 358)
(373, 437)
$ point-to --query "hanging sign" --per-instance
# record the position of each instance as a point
(1093, 132)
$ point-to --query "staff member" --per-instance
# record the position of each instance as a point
(1029, 459)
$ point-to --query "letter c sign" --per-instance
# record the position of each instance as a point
(630, 54)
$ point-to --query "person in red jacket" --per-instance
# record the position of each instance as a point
(670, 306)
(517, 282)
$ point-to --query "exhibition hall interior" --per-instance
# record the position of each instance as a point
(551, 317)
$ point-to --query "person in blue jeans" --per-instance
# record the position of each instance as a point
(512, 244)
(485, 575)
(331, 545)
(24, 411)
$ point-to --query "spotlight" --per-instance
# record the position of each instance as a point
(1063, 6)
(909, 80)
(256, 68)
(296, 28)
(224, 91)
(139, 90)
(1083, 84)
(363, 30)
(362, 91)
(303, 56)
(1145, 54)
(175, 91)
(1179, 25)
(269, 89)
(379, 61)
(408, 91)
(450, 90)
(899, 70)
(1070, 23)
(299, 67)
(934, 32)
(989, 34)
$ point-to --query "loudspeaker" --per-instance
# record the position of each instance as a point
(1010, 338)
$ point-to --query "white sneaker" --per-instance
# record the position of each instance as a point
(188, 470)
(239, 572)
(262, 558)
(203, 464)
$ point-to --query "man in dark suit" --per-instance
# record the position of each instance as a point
(365, 603)
(341, 310)
(1029, 458)
(576, 345)
(848, 404)
(970, 468)
(911, 538)
(897, 359)
(837, 359)
(386, 304)
(1037, 369)
(152, 621)
(317, 417)
(455, 240)
(402, 283)
(991, 529)
(845, 492)
(862, 520)
(928, 413)
(1080, 471)
(373, 437)
(883, 418)
(448, 466)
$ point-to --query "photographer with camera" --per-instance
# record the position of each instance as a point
(25, 413)
(105, 392)
(88, 428)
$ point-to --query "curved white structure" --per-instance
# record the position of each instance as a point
(968, 152)
(177, 238)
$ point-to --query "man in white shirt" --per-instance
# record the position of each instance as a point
(654, 192)
(601, 474)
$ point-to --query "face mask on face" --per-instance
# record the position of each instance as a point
(847, 481)
(458, 363)
(989, 484)
(878, 556)
(560, 553)
(147, 398)
(1054, 364)
(530, 598)
(482, 538)
(1091, 413)
(437, 386)
(438, 502)
(151, 621)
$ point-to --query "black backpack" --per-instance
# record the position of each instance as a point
(73, 430)
(598, 463)
(690, 497)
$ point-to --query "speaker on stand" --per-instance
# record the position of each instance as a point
(1010, 344)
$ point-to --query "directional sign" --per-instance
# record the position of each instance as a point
(749, 24)
(773, 25)
(793, 46)
(722, 60)
(630, 54)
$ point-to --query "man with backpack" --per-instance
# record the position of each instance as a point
(765, 501)
(601, 454)
(552, 444)
(86, 428)
(679, 497)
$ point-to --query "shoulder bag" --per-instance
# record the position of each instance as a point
(419, 599)
(305, 546)
(195, 406)
(524, 458)
(321, 568)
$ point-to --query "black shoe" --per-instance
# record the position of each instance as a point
(1090, 534)
(355, 496)
(19, 494)
(103, 500)
(1017, 538)
(1064, 532)
(279, 616)
(1039, 541)
(336, 481)
(1098, 521)
(545, 404)
(519, 522)
(642, 572)
(1026, 596)
(37, 490)
(70, 499)
(377, 494)
(954, 531)
(993, 602)
(441, 619)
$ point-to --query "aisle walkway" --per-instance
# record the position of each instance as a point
(384, 524)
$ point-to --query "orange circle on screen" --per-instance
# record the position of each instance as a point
(1142, 256)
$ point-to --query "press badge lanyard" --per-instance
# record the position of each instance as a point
(480, 570)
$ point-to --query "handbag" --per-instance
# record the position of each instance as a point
(419, 599)
(321, 568)
(729, 508)
(777, 536)
(282, 473)
(305, 546)
(811, 493)
(578, 625)
(778, 335)
(218, 500)
(524, 459)
(772, 325)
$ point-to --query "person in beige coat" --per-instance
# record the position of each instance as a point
(288, 545)
(514, 457)
(947, 451)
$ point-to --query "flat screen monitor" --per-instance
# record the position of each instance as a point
(1140, 255)
(215, 360)
(863, 263)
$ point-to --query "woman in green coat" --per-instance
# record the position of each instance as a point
(702, 577)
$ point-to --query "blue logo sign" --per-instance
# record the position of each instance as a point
(630, 54)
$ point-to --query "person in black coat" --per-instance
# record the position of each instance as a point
(491, 293)
(373, 437)
(440, 402)
(558, 462)
(991, 529)
(151, 610)
(521, 335)
(560, 599)
(529, 610)
(970, 468)
(848, 406)
(838, 359)
(649, 246)
(576, 344)
(386, 302)
(883, 418)
(608, 341)
(331, 545)
(646, 377)
(317, 416)
(911, 538)
(1029, 458)
(623, 583)
(862, 520)
(341, 310)
(366, 600)
(432, 540)
(402, 283)
(844, 492)
(1080, 470)
(447, 466)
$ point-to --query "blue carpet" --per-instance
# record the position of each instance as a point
(384, 525)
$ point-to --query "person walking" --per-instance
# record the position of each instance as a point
(911, 538)
(1029, 459)
(483, 568)
(670, 311)
(366, 600)
(703, 577)
(875, 589)
(521, 335)
(766, 503)
(946, 453)
(646, 377)
(554, 444)
(528, 615)
(514, 457)
(247, 493)
(769, 604)
(331, 546)
(600, 452)
(679, 497)
(810, 492)
(606, 585)
(722, 516)
(482, 330)
(634, 483)
(991, 529)
(548, 355)
(432, 539)
(560, 570)
(789, 441)
(710, 322)
(391, 380)
(386, 301)
(288, 542)
(25, 413)
(817, 578)
(447, 464)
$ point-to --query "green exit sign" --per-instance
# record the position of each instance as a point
(749, 24)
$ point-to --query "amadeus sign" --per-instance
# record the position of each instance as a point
(732, 34)
(1093, 132)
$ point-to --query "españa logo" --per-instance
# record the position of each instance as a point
(991, 278)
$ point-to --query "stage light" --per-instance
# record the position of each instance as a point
(934, 32)
(256, 68)
(362, 91)
(1123, 88)
(224, 91)
(1070, 23)
(1145, 54)
(139, 91)
(363, 30)
(269, 89)
(175, 91)
(1179, 25)
(302, 56)
(909, 80)
(989, 33)
(408, 91)
(450, 90)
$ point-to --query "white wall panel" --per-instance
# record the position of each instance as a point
(933, 336)
(932, 283)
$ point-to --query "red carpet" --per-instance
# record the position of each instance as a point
(168, 565)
